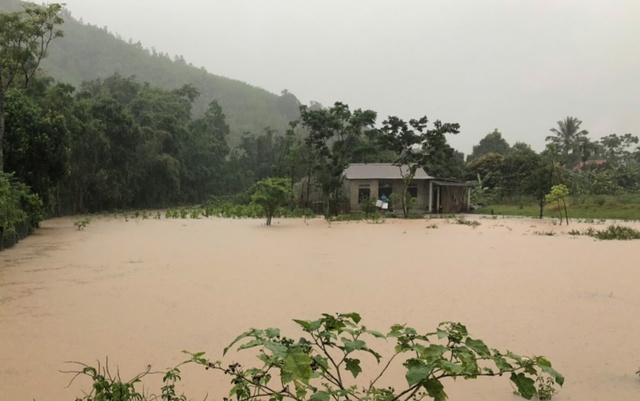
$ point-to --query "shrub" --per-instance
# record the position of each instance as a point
(615, 232)
(316, 367)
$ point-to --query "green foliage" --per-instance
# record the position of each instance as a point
(333, 134)
(107, 386)
(559, 193)
(271, 194)
(493, 142)
(569, 140)
(21, 211)
(615, 232)
(24, 41)
(317, 366)
(470, 223)
(358, 216)
(82, 223)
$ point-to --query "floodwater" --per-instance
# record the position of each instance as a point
(140, 291)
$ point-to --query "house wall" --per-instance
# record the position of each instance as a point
(352, 187)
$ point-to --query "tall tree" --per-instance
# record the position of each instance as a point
(568, 139)
(493, 142)
(333, 134)
(440, 159)
(24, 41)
(405, 141)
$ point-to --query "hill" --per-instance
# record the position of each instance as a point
(87, 52)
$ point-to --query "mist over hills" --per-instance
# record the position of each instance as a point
(87, 52)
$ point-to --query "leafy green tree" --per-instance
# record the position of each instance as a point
(618, 149)
(24, 41)
(568, 139)
(405, 141)
(493, 142)
(36, 144)
(490, 166)
(333, 134)
(203, 156)
(559, 193)
(439, 158)
(272, 193)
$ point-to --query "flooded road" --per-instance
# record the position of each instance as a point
(140, 291)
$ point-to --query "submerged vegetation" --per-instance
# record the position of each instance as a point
(323, 364)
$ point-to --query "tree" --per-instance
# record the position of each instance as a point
(272, 193)
(24, 41)
(568, 139)
(618, 149)
(439, 158)
(333, 135)
(558, 194)
(36, 144)
(405, 141)
(491, 143)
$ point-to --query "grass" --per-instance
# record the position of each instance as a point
(623, 207)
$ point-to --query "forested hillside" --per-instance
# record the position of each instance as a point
(88, 52)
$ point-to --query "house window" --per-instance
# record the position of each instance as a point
(385, 188)
(412, 190)
(364, 193)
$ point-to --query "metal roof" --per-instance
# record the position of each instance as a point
(453, 183)
(380, 171)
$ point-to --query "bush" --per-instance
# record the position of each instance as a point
(316, 366)
(615, 232)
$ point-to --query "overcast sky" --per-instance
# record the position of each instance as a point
(515, 65)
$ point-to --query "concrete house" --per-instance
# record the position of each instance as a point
(372, 180)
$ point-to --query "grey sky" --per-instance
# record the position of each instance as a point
(515, 65)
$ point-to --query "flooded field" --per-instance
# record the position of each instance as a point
(140, 291)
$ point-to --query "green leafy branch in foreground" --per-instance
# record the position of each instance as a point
(317, 367)
(109, 386)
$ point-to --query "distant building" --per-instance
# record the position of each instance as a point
(364, 181)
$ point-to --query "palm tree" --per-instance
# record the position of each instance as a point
(568, 139)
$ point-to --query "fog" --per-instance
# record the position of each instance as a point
(518, 66)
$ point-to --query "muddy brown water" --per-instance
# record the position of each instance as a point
(140, 291)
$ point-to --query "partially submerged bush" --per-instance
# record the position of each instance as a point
(617, 232)
(613, 232)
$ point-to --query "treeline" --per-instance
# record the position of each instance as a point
(505, 173)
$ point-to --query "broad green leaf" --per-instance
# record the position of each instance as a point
(353, 316)
(305, 324)
(545, 366)
(450, 367)
(374, 333)
(442, 334)
(322, 361)
(433, 352)
(319, 396)
(502, 363)
(353, 366)
(478, 346)
(301, 390)
(250, 333)
(251, 344)
(353, 345)
(526, 385)
(296, 366)
(435, 389)
(278, 349)
(272, 332)
(416, 371)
